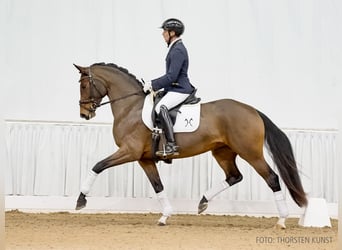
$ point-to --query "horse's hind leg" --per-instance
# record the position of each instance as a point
(152, 173)
(272, 180)
(226, 159)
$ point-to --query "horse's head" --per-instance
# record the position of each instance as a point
(92, 90)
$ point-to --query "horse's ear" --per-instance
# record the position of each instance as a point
(81, 69)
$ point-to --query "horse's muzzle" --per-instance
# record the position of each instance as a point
(84, 116)
(87, 115)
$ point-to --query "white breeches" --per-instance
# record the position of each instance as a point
(170, 100)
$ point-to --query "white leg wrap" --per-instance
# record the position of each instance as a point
(165, 203)
(88, 182)
(281, 204)
(215, 190)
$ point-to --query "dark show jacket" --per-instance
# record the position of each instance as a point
(176, 77)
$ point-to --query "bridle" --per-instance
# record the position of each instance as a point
(96, 102)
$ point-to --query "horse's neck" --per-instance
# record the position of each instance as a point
(123, 91)
(126, 96)
(123, 108)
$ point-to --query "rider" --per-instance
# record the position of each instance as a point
(175, 82)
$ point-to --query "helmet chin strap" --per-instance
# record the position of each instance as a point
(169, 40)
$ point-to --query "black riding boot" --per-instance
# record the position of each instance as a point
(170, 148)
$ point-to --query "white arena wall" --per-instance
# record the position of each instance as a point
(282, 57)
(48, 161)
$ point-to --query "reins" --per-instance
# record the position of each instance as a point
(118, 99)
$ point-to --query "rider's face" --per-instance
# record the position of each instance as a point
(166, 34)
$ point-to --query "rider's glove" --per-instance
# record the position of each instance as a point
(147, 87)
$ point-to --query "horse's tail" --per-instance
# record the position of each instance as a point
(282, 154)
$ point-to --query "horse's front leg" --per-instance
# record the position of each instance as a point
(153, 175)
(119, 157)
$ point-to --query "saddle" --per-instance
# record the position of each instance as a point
(192, 99)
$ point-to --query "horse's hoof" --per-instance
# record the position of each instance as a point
(161, 224)
(203, 205)
(81, 202)
(280, 224)
(162, 221)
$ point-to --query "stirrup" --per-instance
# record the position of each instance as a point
(168, 150)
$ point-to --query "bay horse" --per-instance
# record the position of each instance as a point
(228, 128)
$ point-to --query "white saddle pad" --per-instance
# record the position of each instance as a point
(187, 119)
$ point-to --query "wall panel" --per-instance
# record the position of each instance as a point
(52, 159)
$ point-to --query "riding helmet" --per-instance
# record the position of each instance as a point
(173, 24)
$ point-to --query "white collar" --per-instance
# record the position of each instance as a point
(173, 42)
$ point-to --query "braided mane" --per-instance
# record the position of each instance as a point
(124, 70)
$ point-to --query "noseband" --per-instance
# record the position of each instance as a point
(96, 102)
